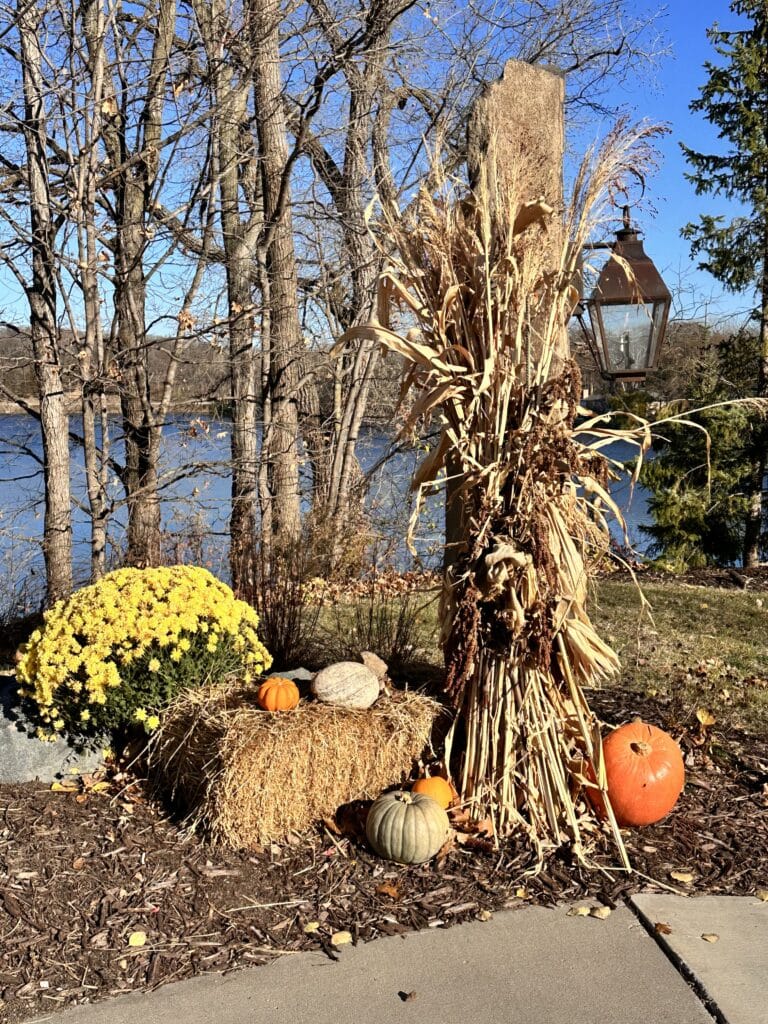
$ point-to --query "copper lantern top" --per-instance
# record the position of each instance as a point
(628, 308)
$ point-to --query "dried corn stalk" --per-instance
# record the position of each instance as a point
(488, 306)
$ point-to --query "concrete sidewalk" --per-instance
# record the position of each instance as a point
(530, 966)
(720, 944)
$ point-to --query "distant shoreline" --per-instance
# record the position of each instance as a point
(74, 408)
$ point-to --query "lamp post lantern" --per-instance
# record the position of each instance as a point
(628, 309)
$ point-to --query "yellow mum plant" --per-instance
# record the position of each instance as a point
(117, 651)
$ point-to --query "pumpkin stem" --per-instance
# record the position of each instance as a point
(404, 797)
(640, 748)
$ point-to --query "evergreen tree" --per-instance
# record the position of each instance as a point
(735, 100)
(700, 499)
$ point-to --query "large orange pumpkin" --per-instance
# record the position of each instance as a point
(645, 773)
(438, 788)
(278, 694)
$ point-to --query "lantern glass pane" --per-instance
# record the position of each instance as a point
(628, 332)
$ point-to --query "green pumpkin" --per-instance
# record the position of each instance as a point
(406, 827)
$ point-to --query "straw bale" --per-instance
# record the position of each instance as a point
(249, 776)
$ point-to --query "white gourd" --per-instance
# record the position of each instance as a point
(347, 684)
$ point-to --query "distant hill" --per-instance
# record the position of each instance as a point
(202, 376)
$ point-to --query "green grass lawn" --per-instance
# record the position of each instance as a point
(702, 646)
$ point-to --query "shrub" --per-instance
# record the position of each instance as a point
(699, 496)
(287, 612)
(117, 651)
(388, 624)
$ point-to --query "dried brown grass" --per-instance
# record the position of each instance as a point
(249, 777)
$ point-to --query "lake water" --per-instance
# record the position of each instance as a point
(195, 505)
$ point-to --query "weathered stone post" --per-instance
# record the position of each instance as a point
(520, 115)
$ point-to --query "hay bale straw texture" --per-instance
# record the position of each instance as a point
(250, 777)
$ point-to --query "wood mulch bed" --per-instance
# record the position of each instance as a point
(80, 873)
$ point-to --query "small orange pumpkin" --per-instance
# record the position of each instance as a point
(278, 694)
(438, 788)
(645, 774)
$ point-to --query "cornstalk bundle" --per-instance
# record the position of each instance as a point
(488, 304)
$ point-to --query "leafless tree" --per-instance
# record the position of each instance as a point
(35, 230)
(242, 144)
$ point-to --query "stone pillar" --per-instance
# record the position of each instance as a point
(518, 121)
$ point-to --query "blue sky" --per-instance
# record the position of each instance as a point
(661, 94)
(664, 96)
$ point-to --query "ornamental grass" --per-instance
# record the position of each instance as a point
(249, 777)
(481, 294)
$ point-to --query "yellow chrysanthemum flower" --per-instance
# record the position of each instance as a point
(95, 641)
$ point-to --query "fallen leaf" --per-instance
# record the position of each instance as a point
(710, 937)
(82, 798)
(600, 912)
(78, 863)
(450, 844)
(682, 876)
(522, 894)
(99, 787)
(706, 717)
(662, 928)
(407, 996)
(460, 818)
(484, 915)
(578, 912)
(311, 927)
(388, 889)
(762, 894)
(64, 787)
(341, 938)
(137, 939)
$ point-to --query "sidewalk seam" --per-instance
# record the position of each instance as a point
(680, 966)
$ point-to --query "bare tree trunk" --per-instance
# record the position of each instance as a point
(91, 355)
(285, 343)
(238, 239)
(337, 494)
(41, 295)
(134, 177)
(140, 473)
(754, 526)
